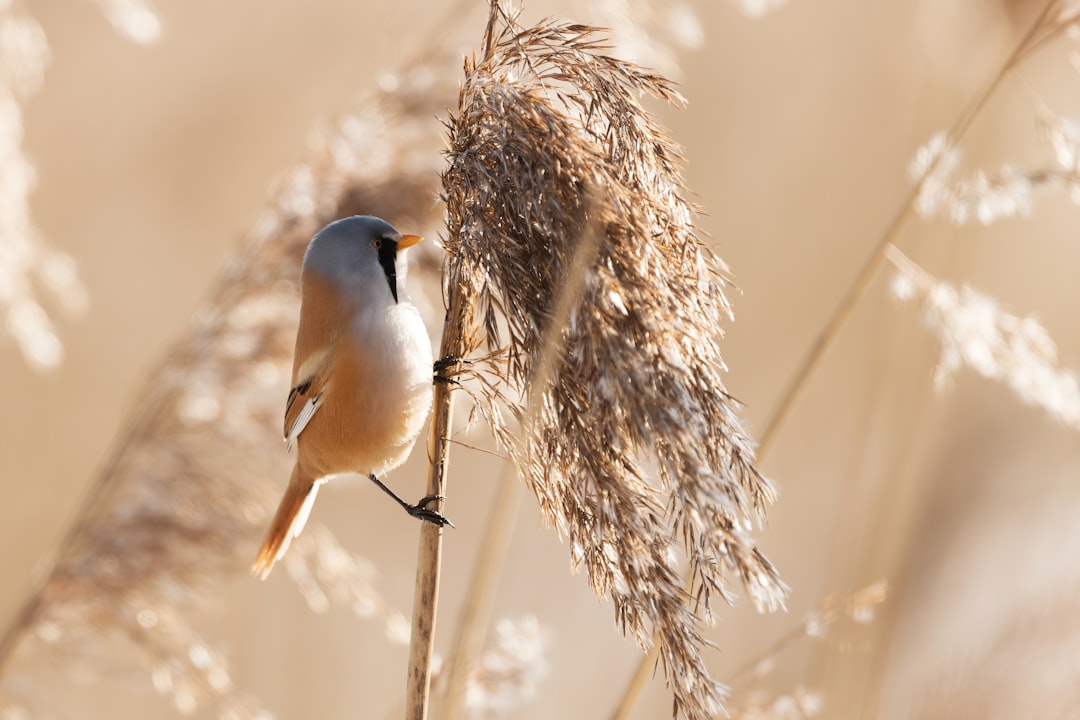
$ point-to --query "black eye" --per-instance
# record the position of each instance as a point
(377, 243)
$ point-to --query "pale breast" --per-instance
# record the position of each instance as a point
(377, 398)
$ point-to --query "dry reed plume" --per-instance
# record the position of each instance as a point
(976, 333)
(134, 18)
(752, 700)
(550, 151)
(27, 265)
(1033, 371)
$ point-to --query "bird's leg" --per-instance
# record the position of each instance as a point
(450, 362)
(419, 510)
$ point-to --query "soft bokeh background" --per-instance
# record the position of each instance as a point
(153, 162)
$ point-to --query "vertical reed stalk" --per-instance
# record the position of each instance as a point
(429, 560)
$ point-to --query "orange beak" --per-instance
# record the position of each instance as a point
(407, 241)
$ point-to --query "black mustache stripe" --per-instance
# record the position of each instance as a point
(388, 260)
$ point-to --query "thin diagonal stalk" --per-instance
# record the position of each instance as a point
(850, 300)
(795, 387)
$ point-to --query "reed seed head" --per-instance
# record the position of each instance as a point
(569, 236)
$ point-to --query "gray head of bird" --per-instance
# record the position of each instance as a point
(361, 254)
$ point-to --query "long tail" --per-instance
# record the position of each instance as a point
(289, 520)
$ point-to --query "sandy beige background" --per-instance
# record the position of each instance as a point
(153, 162)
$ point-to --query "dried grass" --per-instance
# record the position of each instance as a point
(976, 333)
(27, 265)
(548, 146)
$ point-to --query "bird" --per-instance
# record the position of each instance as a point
(362, 372)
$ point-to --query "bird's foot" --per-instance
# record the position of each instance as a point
(420, 511)
(450, 363)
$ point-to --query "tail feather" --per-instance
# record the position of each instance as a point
(289, 520)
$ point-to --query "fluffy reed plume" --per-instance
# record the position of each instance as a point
(133, 18)
(988, 197)
(629, 440)
(1009, 191)
(511, 668)
(753, 701)
(650, 33)
(799, 704)
(984, 197)
(1005, 193)
(26, 264)
(759, 8)
(327, 574)
(975, 333)
(183, 501)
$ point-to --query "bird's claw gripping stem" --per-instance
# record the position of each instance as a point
(421, 512)
(449, 363)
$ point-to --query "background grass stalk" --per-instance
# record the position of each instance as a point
(483, 585)
(854, 294)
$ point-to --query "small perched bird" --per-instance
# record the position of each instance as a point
(362, 371)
